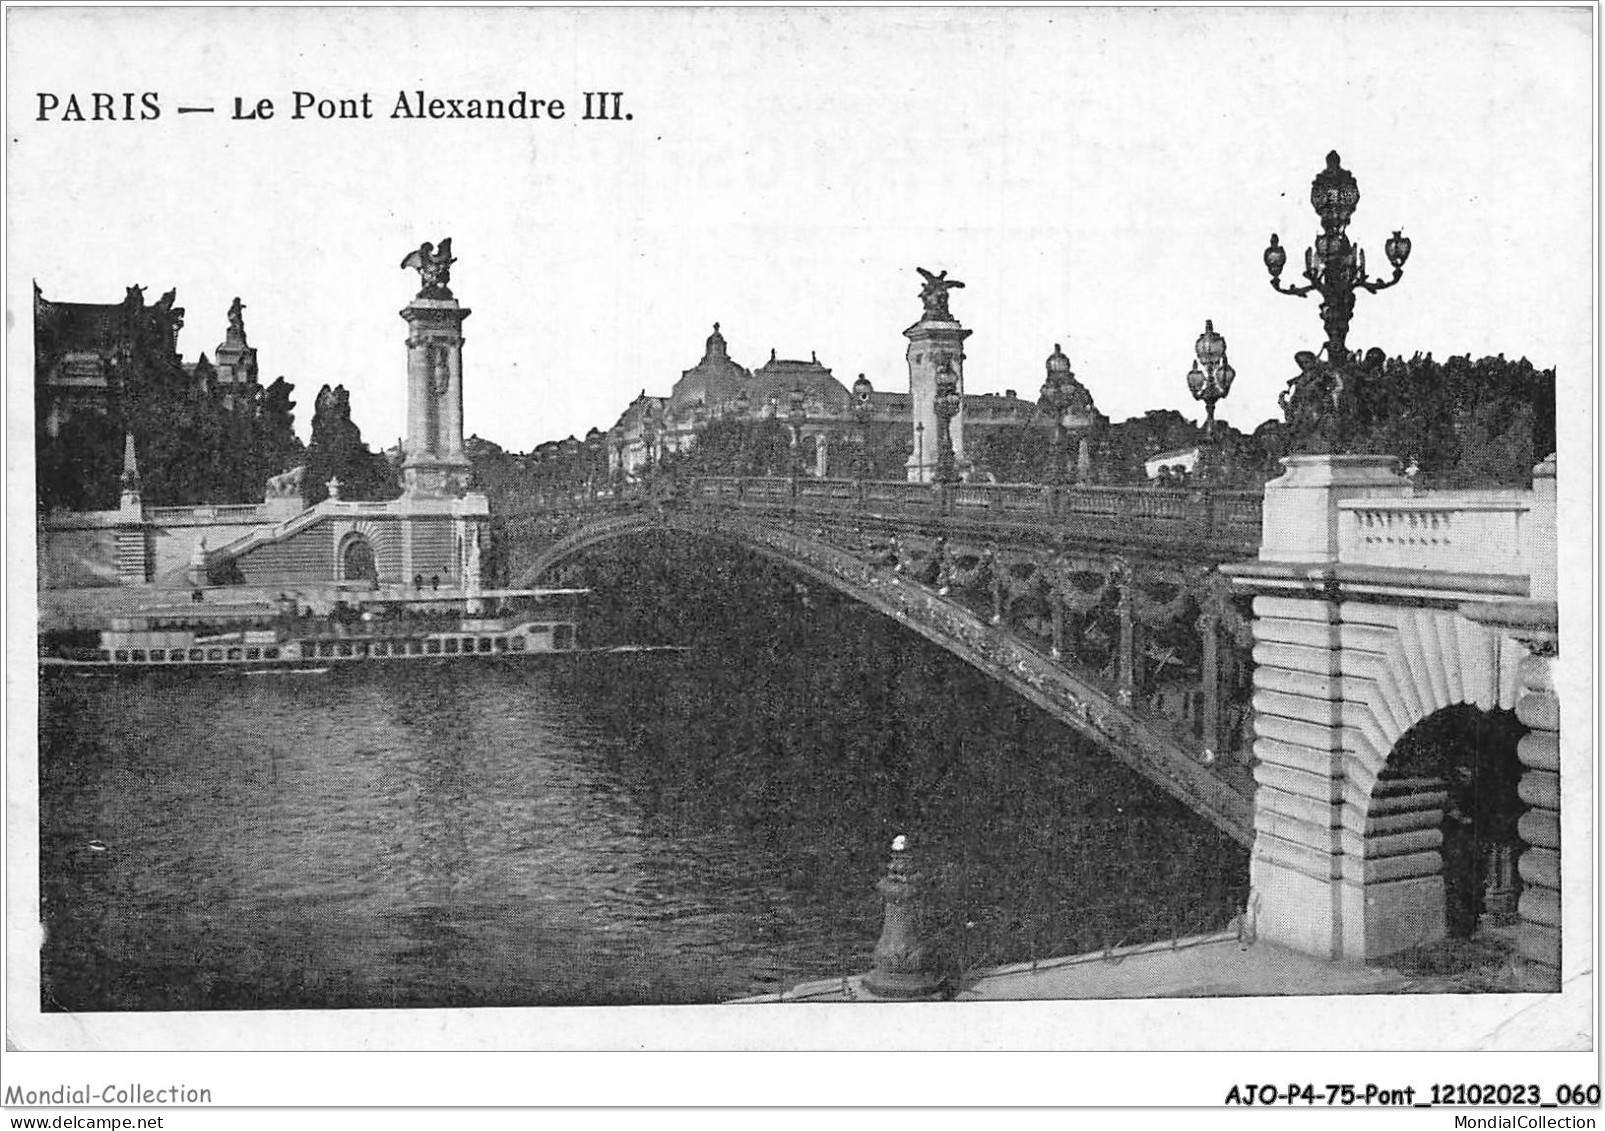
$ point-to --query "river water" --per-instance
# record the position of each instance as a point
(600, 829)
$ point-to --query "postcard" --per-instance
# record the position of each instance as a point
(568, 530)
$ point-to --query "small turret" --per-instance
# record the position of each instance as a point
(716, 347)
(130, 477)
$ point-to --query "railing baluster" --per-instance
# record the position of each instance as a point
(1226, 522)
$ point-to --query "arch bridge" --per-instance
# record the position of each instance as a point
(1258, 657)
(1103, 606)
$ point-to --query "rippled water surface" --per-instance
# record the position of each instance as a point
(603, 829)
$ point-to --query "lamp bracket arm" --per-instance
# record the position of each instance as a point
(1373, 286)
(1296, 292)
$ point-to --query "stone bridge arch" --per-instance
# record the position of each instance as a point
(1076, 700)
(1347, 861)
(1377, 607)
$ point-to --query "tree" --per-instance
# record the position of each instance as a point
(194, 444)
(1013, 453)
(732, 446)
(1461, 422)
(275, 447)
(1126, 447)
(889, 448)
(180, 427)
(77, 469)
(337, 452)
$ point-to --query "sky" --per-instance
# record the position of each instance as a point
(1104, 178)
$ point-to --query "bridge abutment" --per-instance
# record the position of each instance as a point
(1296, 866)
(1368, 620)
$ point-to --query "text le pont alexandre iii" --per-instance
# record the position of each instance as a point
(304, 105)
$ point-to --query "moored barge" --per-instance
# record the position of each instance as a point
(495, 624)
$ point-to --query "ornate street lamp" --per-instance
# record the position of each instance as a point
(595, 460)
(1333, 266)
(1211, 376)
(668, 438)
(649, 440)
(863, 409)
(948, 403)
(1055, 401)
(797, 416)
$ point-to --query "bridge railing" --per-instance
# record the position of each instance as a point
(1459, 531)
(1049, 928)
(1219, 518)
(233, 512)
(1228, 520)
(898, 496)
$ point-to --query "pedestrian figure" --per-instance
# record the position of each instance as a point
(434, 582)
(1463, 874)
(418, 582)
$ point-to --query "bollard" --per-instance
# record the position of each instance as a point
(899, 970)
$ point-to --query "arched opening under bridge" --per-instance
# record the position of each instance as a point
(1443, 820)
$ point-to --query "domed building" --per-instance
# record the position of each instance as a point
(805, 395)
(712, 384)
(718, 387)
(774, 382)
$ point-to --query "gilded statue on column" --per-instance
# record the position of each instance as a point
(434, 268)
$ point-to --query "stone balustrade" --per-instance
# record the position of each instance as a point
(1216, 523)
(1454, 531)
(209, 515)
(1224, 521)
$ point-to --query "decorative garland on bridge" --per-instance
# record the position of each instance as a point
(956, 574)
(897, 574)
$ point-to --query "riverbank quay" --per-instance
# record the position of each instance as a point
(1214, 965)
(93, 608)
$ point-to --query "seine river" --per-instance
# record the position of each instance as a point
(599, 829)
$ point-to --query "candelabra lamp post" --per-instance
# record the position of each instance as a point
(668, 435)
(863, 410)
(649, 443)
(1211, 376)
(595, 461)
(1056, 400)
(797, 416)
(1335, 269)
(948, 404)
(616, 443)
(1209, 380)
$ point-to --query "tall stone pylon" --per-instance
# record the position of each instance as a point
(435, 463)
(935, 344)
